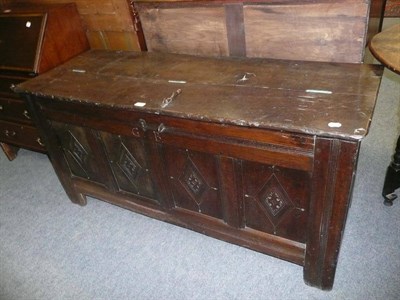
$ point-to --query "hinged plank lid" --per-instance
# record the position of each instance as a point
(313, 30)
(323, 99)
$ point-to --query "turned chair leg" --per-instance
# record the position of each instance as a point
(392, 179)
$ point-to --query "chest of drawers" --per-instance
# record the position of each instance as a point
(33, 39)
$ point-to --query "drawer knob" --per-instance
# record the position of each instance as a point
(39, 141)
(26, 114)
(10, 133)
(1, 107)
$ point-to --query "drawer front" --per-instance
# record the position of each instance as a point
(5, 85)
(14, 110)
(21, 135)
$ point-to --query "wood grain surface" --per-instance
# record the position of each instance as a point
(298, 30)
(385, 46)
(307, 97)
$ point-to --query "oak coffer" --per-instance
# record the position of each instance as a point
(33, 39)
(257, 152)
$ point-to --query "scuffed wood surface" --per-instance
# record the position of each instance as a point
(327, 99)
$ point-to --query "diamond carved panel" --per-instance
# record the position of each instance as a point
(77, 151)
(129, 165)
(193, 182)
(274, 200)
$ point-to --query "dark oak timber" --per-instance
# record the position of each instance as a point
(235, 29)
(257, 152)
(334, 170)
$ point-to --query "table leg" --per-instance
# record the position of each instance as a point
(392, 179)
